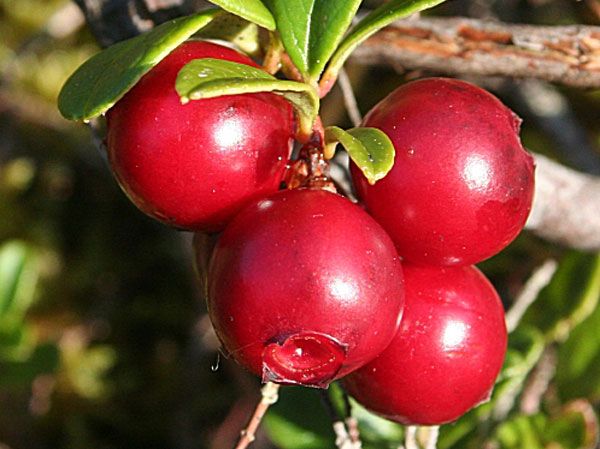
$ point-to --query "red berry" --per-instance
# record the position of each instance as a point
(447, 353)
(195, 165)
(462, 184)
(304, 287)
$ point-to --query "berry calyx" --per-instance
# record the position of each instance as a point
(306, 358)
(304, 287)
(196, 165)
(446, 355)
(461, 186)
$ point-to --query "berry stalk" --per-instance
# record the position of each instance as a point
(269, 396)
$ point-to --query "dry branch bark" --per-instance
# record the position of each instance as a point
(112, 21)
(564, 54)
(566, 206)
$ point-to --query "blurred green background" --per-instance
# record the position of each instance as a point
(104, 342)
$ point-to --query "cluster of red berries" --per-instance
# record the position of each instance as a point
(305, 287)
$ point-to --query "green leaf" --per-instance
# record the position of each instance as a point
(578, 370)
(370, 149)
(253, 10)
(522, 432)
(104, 78)
(311, 30)
(572, 295)
(571, 428)
(18, 279)
(381, 17)
(227, 27)
(208, 78)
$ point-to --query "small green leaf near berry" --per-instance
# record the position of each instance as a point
(208, 78)
(370, 149)
(252, 10)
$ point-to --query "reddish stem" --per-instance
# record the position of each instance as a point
(326, 84)
(289, 69)
(272, 60)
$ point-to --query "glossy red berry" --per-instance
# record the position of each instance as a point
(462, 184)
(195, 165)
(304, 287)
(447, 353)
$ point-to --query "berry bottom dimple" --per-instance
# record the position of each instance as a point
(321, 280)
(305, 358)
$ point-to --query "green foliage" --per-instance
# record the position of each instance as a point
(370, 149)
(578, 371)
(21, 358)
(240, 32)
(571, 296)
(568, 430)
(252, 10)
(382, 16)
(18, 278)
(311, 30)
(207, 78)
(108, 75)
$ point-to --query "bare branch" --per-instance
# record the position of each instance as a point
(433, 433)
(410, 438)
(114, 20)
(538, 383)
(269, 395)
(540, 278)
(344, 439)
(353, 432)
(349, 98)
(564, 54)
(351, 422)
(566, 206)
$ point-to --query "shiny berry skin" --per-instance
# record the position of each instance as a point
(461, 186)
(194, 166)
(447, 353)
(304, 287)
